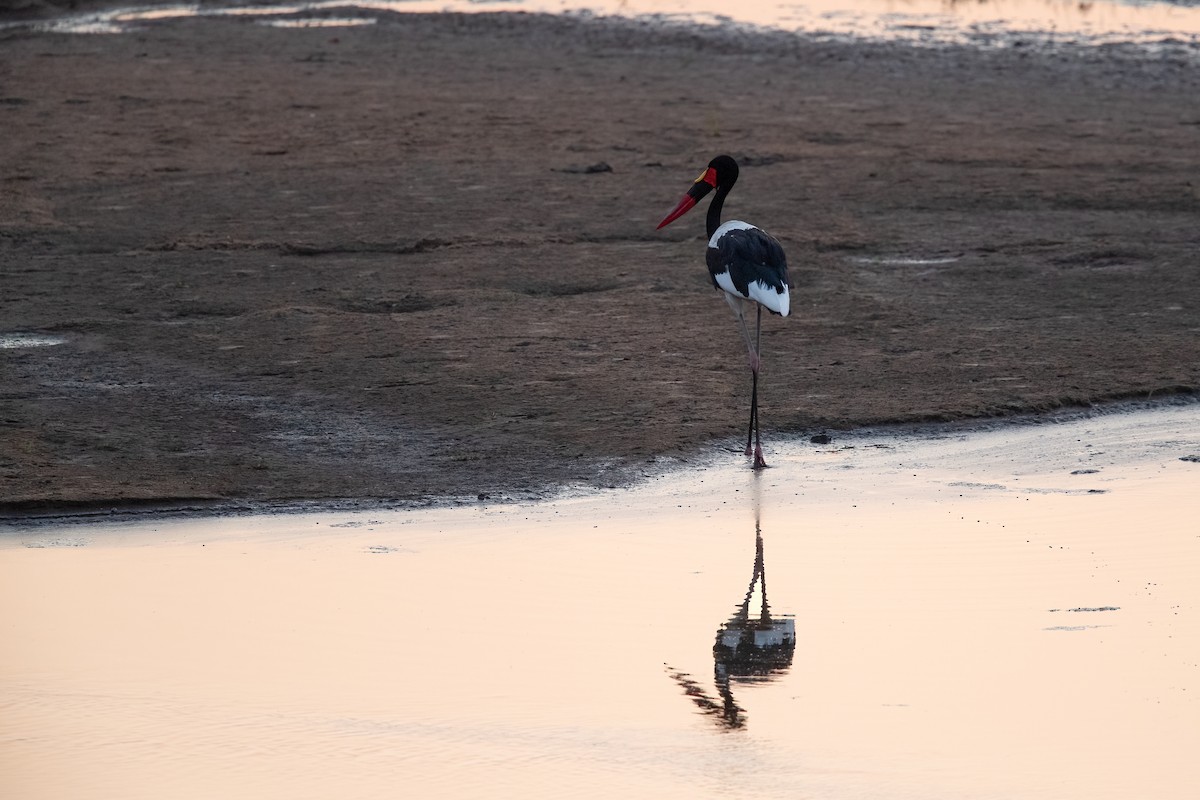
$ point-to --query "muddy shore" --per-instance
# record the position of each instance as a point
(417, 259)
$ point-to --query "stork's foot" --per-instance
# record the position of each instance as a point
(759, 462)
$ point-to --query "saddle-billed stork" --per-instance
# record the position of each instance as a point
(747, 264)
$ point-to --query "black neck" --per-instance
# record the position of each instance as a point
(714, 210)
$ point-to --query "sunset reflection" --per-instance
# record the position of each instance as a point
(996, 613)
(926, 22)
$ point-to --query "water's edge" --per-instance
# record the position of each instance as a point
(49, 513)
(1138, 29)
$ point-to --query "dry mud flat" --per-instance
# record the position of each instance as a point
(383, 263)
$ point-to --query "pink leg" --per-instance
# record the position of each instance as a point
(753, 437)
(755, 362)
(753, 414)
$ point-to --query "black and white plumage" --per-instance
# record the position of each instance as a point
(749, 267)
(748, 264)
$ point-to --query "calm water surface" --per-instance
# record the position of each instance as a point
(1005, 614)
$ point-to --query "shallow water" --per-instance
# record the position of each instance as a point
(1003, 614)
(930, 22)
(21, 341)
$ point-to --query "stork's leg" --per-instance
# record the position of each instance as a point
(740, 308)
(753, 414)
(759, 463)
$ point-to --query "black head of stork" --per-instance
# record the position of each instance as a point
(746, 263)
(720, 174)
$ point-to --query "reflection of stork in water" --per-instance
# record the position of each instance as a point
(749, 647)
(755, 645)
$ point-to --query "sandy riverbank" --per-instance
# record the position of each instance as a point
(372, 262)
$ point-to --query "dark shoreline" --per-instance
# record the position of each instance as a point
(38, 513)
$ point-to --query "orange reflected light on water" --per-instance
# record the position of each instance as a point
(929, 21)
(974, 615)
(887, 18)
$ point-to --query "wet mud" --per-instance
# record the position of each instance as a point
(379, 263)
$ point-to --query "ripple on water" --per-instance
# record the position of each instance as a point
(16, 341)
(320, 22)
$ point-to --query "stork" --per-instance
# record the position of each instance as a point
(747, 265)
